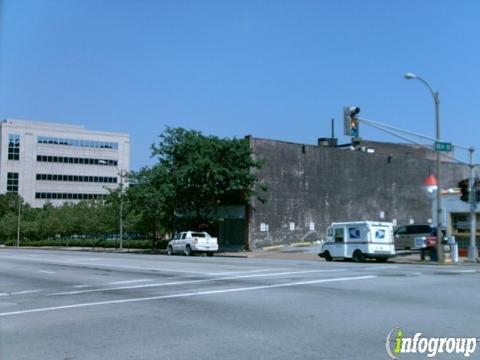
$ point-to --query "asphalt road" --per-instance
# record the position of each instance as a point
(78, 305)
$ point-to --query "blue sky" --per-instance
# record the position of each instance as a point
(272, 69)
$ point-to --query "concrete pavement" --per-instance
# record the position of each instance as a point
(84, 305)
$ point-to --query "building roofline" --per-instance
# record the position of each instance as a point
(60, 126)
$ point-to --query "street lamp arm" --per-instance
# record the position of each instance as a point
(436, 98)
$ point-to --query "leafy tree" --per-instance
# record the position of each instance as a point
(205, 171)
(150, 197)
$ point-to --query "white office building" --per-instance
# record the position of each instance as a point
(49, 162)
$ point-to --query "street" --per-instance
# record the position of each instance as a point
(93, 305)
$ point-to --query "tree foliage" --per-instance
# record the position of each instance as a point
(206, 170)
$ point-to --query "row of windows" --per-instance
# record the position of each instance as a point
(12, 183)
(67, 196)
(76, 142)
(75, 160)
(13, 147)
(77, 178)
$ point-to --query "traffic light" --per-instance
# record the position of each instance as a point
(350, 120)
(463, 185)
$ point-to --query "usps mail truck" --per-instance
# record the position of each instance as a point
(359, 240)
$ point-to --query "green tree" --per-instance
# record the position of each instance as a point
(149, 200)
(205, 171)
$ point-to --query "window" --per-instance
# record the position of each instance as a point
(75, 160)
(401, 231)
(339, 236)
(67, 196)
(76, 178)
(12, 183)
(419, 229)
(76, 142)
(13, 147)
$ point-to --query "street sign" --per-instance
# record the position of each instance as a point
(443, 146)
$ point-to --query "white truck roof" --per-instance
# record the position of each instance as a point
(369, 223)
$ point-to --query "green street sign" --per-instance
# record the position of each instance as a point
(443, 146)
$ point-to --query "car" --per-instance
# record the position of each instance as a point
(415, 237)
(191, 242)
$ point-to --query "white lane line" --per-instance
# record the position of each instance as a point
(47, 272)
(190, 282)
(51, 261)
(20, 292)
(25, 292)
(190, 294)
(81, 286)
(128, 281)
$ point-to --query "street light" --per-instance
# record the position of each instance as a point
(436, 100)
(121, 174)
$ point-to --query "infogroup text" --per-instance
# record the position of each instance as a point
(397, 343)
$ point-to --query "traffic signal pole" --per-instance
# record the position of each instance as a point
(472, 188)
(472, 249)
(436, 98)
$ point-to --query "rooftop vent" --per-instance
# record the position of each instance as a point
(327, 142)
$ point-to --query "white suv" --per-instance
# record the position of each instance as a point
(190, 242)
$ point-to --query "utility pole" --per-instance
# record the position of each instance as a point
(18, 221)
(122, 174)
(440, 254)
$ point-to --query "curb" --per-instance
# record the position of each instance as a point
(271, 248)
(300, 244)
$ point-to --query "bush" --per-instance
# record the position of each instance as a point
(89, 243)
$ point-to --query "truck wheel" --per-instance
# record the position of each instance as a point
(170, 251)
(327, 256)
(188, 250)
(358, 256)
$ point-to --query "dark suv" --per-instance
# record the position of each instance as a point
(415, 237)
